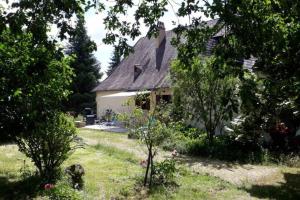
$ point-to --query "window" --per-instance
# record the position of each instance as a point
(143, 102)
(137, 71)
(163, 98)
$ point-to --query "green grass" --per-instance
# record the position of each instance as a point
(106, 169)
(115, 173)
(195, 186)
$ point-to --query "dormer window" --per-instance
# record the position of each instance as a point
(137, 71)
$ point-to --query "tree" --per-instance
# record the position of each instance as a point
(86, 69)
(49, 145)
(114, 61)
(150, 131)
(34, 72)
(266, 30)
(207, 96)
(34, 80)
(152, 135)
(33, 83)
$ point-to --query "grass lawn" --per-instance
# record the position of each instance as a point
(111, 163)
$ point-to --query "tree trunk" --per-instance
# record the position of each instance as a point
(148, 165)
(151, 169)
(211, 137)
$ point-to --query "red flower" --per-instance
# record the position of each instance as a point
(48, 186)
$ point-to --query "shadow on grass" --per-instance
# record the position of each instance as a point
(288, 190)
(19, 190)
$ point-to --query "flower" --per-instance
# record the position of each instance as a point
(174, 153)
(143, 163)
(48, 186)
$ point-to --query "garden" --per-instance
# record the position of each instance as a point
(229, 131)
(113, 170)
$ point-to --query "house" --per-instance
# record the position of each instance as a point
(147, 70)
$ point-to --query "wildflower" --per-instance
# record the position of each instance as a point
(174, 153)
(48, 186)
(143, 163)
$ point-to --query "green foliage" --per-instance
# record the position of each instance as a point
(62, 191)
(133, 120)
(49, 145)
(207, 95)
(164, 172)
(152, 135)
(150, 131)
(33, 82)
(86, 69)
(114, 61)
(34, 74)
(150, 11)
(268, 31)
(34, 17)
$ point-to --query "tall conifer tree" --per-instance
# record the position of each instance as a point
(86, 69)
(114, 61)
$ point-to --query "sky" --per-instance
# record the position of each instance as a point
(96, 30)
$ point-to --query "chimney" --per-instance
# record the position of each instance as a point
(161, 34)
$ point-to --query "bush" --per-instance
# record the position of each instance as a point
(61, 191)
(236, 146)
(180, 136)
(225, 147)
(164, 172)
(49, 145)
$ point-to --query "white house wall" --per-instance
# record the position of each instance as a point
(116, 104)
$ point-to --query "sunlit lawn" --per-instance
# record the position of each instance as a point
(114, 173)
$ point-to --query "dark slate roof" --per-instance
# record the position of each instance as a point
(154, 64)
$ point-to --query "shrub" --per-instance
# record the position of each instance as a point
(164, 172)
(61, 191)
(180, 136)
(176, 142)
(133, 121)
(49, 145)
(225, 147)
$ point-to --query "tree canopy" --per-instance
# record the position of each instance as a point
(268, 31)
(33, 83)
(207, 96)
(114, 61)
(35, 74)
(86, 69)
